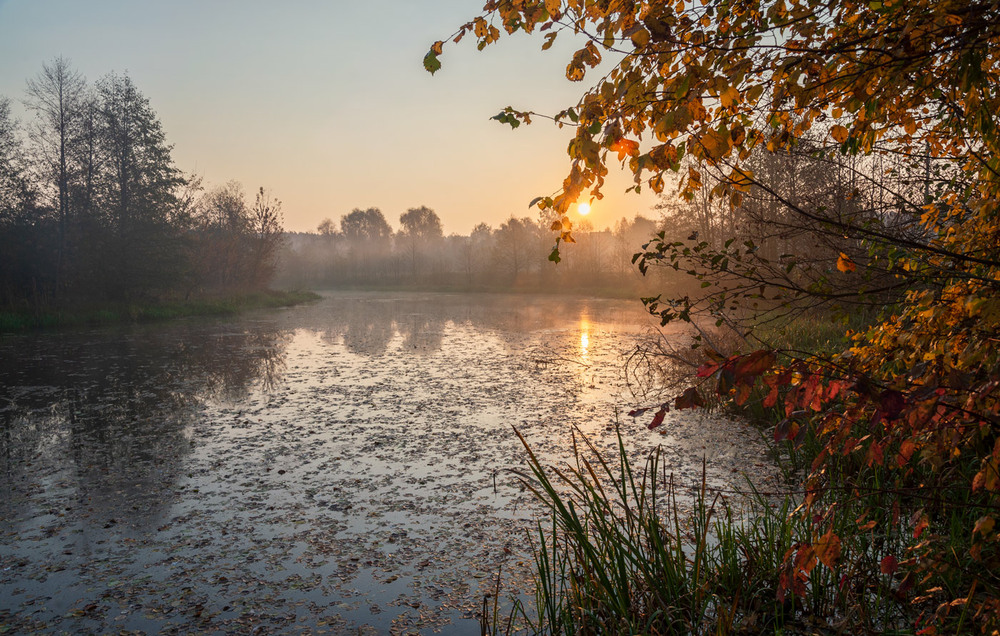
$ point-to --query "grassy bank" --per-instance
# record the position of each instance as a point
(146, 311)
(867, 537)
(619, 555)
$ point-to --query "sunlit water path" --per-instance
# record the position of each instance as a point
(338, 467)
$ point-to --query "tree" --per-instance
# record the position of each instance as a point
(697, 94)
(418, 229)
(138, 189)
(23, 250)
(365, 225)
(222, 222)
(517, 246)
(368, 235)
(326, 227)
(57, 97)
(265, 237)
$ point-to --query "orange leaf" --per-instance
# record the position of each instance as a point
(839, 133)
(828, 549)
(845, 264)
(625, 148)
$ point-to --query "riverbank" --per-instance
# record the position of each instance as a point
(590, 291)
(147, 311)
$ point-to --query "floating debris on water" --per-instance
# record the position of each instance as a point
(344, 466)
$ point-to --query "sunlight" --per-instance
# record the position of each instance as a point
(584, 340)
(583, 209)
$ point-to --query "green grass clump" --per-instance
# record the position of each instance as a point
(619, 555)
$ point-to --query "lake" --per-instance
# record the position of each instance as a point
(343, 466)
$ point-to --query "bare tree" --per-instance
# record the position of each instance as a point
(265, 236)
(56, 96)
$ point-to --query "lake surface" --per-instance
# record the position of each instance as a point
(337, 467)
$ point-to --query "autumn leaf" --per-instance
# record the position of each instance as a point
(707, 369)
(839, 133)
(431, 62)
(983, 526)
(888, 565)
(827, 549)
(754, 364)
(625, 148)
(689, 399)
(657, 418)
(845, 264)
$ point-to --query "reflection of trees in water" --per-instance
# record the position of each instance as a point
(109, 413)
(368, 325)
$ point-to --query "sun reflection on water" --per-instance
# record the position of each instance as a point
(584, 340)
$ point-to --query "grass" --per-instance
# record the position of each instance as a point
(147, 311)
(815, 332)
(620, 554)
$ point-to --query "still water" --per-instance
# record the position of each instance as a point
(341, 467)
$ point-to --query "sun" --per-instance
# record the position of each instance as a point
(583, 209)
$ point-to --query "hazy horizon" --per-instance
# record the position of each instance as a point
(326, 106)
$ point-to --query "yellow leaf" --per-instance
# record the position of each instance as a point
(845, 264)
(729, 96)
(983, 526)
(640, 38)
(839, 133)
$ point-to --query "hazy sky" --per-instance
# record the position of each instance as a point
(325, 102)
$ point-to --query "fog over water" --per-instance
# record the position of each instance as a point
(343, 465)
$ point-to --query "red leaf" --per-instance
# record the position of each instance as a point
(889, 565)
(772, 397)
(689, 399)
(743, 393)
(755, 363)
(786, 429)
(707, 369)
(658, 418)
(833, 389)
(891, 403)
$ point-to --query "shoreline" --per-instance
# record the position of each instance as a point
(15, 321)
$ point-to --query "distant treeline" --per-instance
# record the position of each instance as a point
(366, 252)
(93, 208)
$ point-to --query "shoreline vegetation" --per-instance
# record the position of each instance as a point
(218, 304)
(90, 314)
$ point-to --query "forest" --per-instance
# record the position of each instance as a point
(365, 252)
(93, 209)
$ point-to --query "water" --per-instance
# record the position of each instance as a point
(338, 467)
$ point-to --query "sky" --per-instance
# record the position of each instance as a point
(325, 102)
